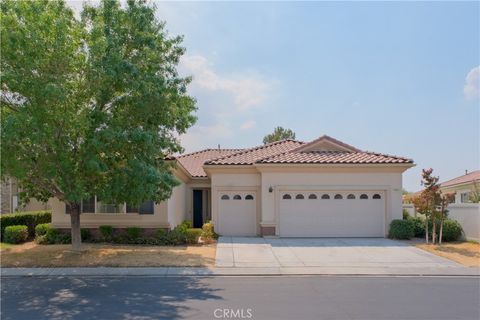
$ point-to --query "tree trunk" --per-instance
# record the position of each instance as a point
(434, 230)
(426, 229)
(75, 227)
(441, 230)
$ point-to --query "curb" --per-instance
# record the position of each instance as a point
(215, 271)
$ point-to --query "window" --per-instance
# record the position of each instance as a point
(146, 208)
(108, 207)
(376, 196)
(248, 197)
(465, 197)
(325, 197)
(88, 205)
(363, 196)
(287, 196)
(351, 196)
(225, 197)
(338, 196)
(237, 197)
(312, 196)
(299, 196)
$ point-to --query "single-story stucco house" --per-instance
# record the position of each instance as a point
(288, 188)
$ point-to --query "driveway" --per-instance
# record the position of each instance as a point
(243, 252)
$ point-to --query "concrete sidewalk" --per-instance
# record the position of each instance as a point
(235, 271)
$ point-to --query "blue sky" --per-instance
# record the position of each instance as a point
(393, 77)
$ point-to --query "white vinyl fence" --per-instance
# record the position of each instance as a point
(467, 214)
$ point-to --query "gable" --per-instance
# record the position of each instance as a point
(326, 143)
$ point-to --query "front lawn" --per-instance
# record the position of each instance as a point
(466, 253)
(107, 255)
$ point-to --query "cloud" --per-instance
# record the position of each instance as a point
(471, 89)
(248, 124)
(248, 90)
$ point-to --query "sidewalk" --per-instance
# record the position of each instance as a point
(223, 271)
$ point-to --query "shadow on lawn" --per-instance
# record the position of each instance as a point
(142, 298)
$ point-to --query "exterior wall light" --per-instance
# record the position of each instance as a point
(270, 189)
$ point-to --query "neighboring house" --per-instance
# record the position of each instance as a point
(465, 187)
(10, 201)
(324, 188)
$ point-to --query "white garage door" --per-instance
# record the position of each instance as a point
(237, 213)
(332, 214)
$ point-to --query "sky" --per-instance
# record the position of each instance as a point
(399, 78)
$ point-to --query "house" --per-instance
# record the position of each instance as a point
(465, 187)
(288, 188)
(9, 199)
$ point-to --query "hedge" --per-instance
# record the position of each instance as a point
(29, 218)
(401, 229)
(16, 234)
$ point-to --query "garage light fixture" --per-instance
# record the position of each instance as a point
(270, 189)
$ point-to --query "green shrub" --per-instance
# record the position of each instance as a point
(405, 214)
(187, 224)
(16, 234)
(401, 229)
(106, 232)
(29, 218)
(192, 235)
(207, 232)
(452, 230)
(41, 229)
(418, 226)
(133, 232)
(85, 234)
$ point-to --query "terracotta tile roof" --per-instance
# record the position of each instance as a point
(334, 157)
(250, 156)
(466, 178)
(193, 162)
(329, 139)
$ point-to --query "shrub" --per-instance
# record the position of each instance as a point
(418, 226)
(41, 229)
(133, 233)
(401, 229)
(452, 230)
(207, 232)
(107, 232)
(85, 234)
(405, 214)
(192, 235)
(187, 224)
(30, 219)
(16, 234)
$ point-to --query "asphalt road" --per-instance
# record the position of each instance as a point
(292, 298)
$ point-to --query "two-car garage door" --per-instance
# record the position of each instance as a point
(332, 214)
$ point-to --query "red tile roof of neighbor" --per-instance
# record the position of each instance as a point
(284, 152)
(466, 178)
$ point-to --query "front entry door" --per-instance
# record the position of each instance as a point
(197, 208)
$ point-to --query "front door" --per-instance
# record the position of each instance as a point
(197, 208)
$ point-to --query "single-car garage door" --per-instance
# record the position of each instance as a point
(237, 213)
(332, 214)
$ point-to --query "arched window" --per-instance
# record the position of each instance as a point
(312, 196)
(299, 196)
(287, 196)
(237, 197)
(325, 196)
(351, 196)
(377, 196)
(225, 197)
(338, 196)
(248, 197)
(363, 196)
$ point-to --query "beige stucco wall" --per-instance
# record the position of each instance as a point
(177, 209)
(92, 220)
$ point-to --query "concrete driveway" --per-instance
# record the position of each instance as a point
(243, 252)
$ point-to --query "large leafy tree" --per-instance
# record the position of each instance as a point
(279, 133)
(91, 106)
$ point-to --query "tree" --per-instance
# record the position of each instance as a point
(90, 107)
(445, 200)
(279, 133)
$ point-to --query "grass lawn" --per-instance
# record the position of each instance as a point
(107, 255)
(466, 253)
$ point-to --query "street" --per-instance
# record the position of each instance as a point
(314, 297)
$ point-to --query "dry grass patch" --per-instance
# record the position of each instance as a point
(106, 255)
(466, 253)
